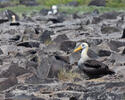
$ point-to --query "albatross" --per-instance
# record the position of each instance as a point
(90, 66)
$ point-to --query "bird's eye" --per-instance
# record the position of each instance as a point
(83, 46)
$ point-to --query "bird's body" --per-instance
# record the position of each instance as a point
(90, 66)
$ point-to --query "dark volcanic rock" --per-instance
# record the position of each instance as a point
(1, 52)
(114, 45)
(15, 38)
(45, 37)
(73, 3)
(29, 44)
(9, 82)
(44, 11)
(97, 3)
(50, 67)
(108, 29)
(123, 51)
(109, 15)
(13, 69)
(60, 38)
(67, 46)
(123, 34)
(57, 19)
(28, 2)
(103, 53)
(96, 20)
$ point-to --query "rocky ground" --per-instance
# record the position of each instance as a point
(37, 62)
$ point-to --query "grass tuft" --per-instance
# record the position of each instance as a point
(67, 76)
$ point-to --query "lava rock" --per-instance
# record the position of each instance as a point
(44, 11)
(97, 3)
(109, 15)
(15, 38)
(60, 38)
(103, 53)
(57, 19)
(13, 69)
(123, 51)
(29, 44)
(7, 83)
(67, 46)
(45, 37)
(1, 52)
(73, 3)
(114, 45)
(108, 29)
(28, 2)
(50, 67)
(96, 20)
(123, 34)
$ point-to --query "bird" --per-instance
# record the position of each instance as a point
(14, 22)
(89, 65)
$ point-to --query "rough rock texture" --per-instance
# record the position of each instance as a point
(37, 60)
(97, 3)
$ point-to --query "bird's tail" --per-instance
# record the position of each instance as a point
(111, 72)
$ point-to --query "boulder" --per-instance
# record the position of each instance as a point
(50, 67)
(29, 44)
(67, 46)
(73, 3)
(123, 34)
(15, 38)
(8, 82)
(114, 45)
(44, 11)
(103, 53)
(108, 29)
(109, 15)
(97, 3)
(13, 69)
(28, 2)
(45, 36)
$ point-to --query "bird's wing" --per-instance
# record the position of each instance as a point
(93, 64)
(92, 54)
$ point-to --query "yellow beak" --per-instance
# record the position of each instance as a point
(77, 49)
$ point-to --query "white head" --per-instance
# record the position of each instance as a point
(82, 46)
(84, 56)
(54, 7)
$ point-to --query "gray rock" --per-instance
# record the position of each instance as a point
(29, 44)
(1, 52)
(103, 53)
(13, 69)
(15, 38)
(7, 83)
(109, 15)
(123, 34)
(73, 3)
(123, 51)
(67, 46)
(50, 67)
(28, 2)
(44, 11)
(108, 29)
(114, 45)
(97, 3)
(45, 36)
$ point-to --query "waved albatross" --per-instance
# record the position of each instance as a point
(90, 66)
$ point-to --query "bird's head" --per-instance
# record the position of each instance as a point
(81, 47)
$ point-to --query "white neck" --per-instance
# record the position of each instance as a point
(84, 55)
